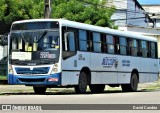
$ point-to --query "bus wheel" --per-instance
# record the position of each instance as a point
(133, 84)
(39, 90)
(97, 88)
(82, 85)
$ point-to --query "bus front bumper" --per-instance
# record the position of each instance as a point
(54, 79)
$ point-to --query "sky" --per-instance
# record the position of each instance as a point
(149, 1)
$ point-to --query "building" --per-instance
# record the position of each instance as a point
(130, 13)
(154, 12)
(131, 16)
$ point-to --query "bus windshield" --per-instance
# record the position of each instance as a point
(34, 46)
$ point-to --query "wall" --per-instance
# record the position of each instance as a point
(135, 14)
(129, 13)
(154, 9)
(119, 17)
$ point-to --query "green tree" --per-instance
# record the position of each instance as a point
(86, 11)
(12, 10)
(93, 12)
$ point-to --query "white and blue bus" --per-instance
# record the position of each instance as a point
(46, 53)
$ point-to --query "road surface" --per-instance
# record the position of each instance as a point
(108, 97)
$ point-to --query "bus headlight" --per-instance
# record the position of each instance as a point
(55, 68)
(10, 69)
(56, 65)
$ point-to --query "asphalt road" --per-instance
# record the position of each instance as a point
(111, 97)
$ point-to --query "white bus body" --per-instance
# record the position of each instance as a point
(104, 57)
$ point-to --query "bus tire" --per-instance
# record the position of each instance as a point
(97, 88)
(82, 84)
(39, 90)
(133, 86)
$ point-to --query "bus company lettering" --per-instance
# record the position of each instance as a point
(109, 62)
(126, 63)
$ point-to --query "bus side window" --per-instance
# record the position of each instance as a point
(144, 48)
(110, 40)
(133, 44)
(153, 50)
(96, 42)
(82, 40)
(123, 45)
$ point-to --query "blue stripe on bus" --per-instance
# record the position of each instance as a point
(34, 79)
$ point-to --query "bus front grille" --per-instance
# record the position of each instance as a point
(34, 71)
(31, 80)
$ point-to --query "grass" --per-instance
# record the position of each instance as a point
(153, 87)
(3, 77)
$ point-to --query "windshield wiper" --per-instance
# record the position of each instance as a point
(40, 37)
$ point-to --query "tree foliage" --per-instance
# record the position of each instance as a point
(86, 11)
(12, 10)
(93, 12)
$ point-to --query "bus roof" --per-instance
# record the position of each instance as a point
(78, 25)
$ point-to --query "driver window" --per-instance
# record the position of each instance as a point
(71, 41)
(51, 40)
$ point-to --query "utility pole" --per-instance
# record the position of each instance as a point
(47, 8)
